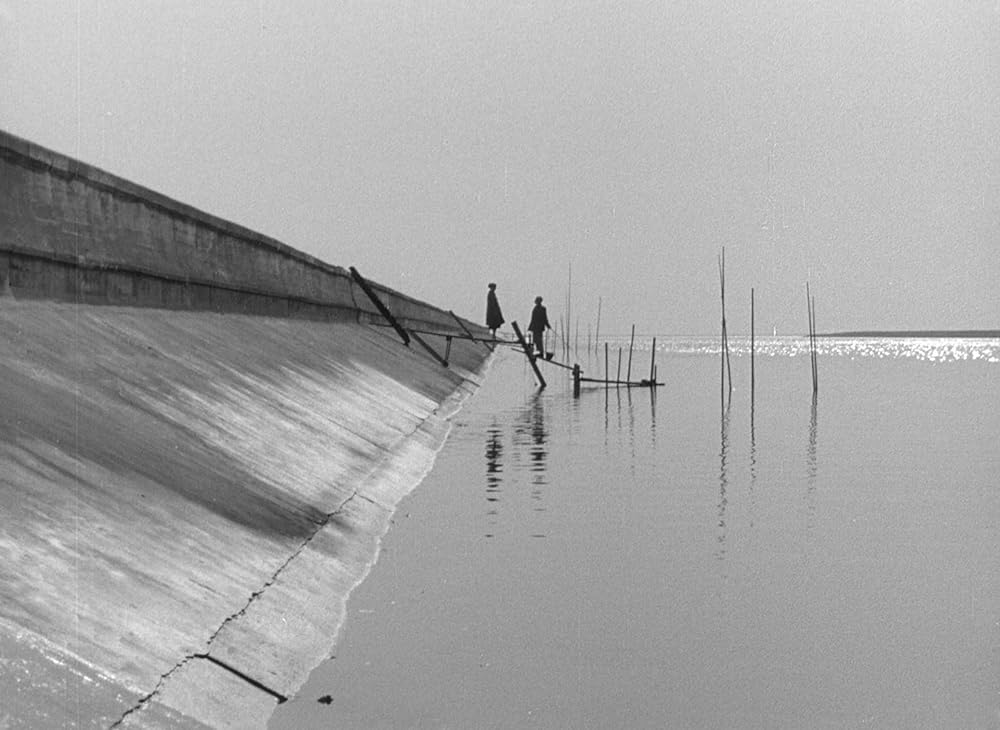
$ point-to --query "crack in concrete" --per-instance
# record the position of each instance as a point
(274, 576)
(143, 701)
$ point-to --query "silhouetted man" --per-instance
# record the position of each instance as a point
(494, 317)
(539, 323)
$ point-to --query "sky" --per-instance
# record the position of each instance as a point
(613, 146)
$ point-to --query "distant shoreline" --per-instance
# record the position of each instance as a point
(979, 334)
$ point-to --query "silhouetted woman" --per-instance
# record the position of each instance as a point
(494, 317)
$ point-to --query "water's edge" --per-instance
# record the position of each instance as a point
(379, 496)
(191, 497)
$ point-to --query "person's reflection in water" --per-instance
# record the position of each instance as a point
(532, 426)
(539, 452)
(494, 468)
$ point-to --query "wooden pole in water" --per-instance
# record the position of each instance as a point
(631, 342)
(752, 345)
(618, 377)
(576, 379)
(569, 307)
(652, 365)
(809, 312)
(605, 364)
(815, 349)
(529, 353)
(597, 331)
(812, 341)
(729, 364)
(726, 365)
(809, 332)
(722, 353)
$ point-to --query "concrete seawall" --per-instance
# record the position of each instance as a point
(191, 490)
(72, 232)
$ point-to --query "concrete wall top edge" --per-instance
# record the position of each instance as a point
(23, 153)
(12, 146)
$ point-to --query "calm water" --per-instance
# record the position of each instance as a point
(622, 560)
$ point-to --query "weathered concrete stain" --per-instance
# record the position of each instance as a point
(188, 500)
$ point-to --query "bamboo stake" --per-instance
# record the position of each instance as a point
(618, 376)
(815, 350)
(810, 302)
(722, 354)
(569, 306)
(725, 365)
(652, 365)
(812, 344)
(605, 364)
(809, 323)
(752, 346)
(722, 342)
(809, 312)
(597, 331)
(631, 342)
(528, 352)
(729, 365)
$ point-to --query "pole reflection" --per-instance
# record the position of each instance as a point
(494, 469)
(723, 483)
(812, 468)
(753, 462)
(652, 415)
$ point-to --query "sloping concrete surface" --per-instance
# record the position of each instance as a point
(188, 500)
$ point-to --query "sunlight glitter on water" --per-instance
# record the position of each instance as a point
(931, 349)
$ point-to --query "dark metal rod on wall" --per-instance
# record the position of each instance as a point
(380, 306)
